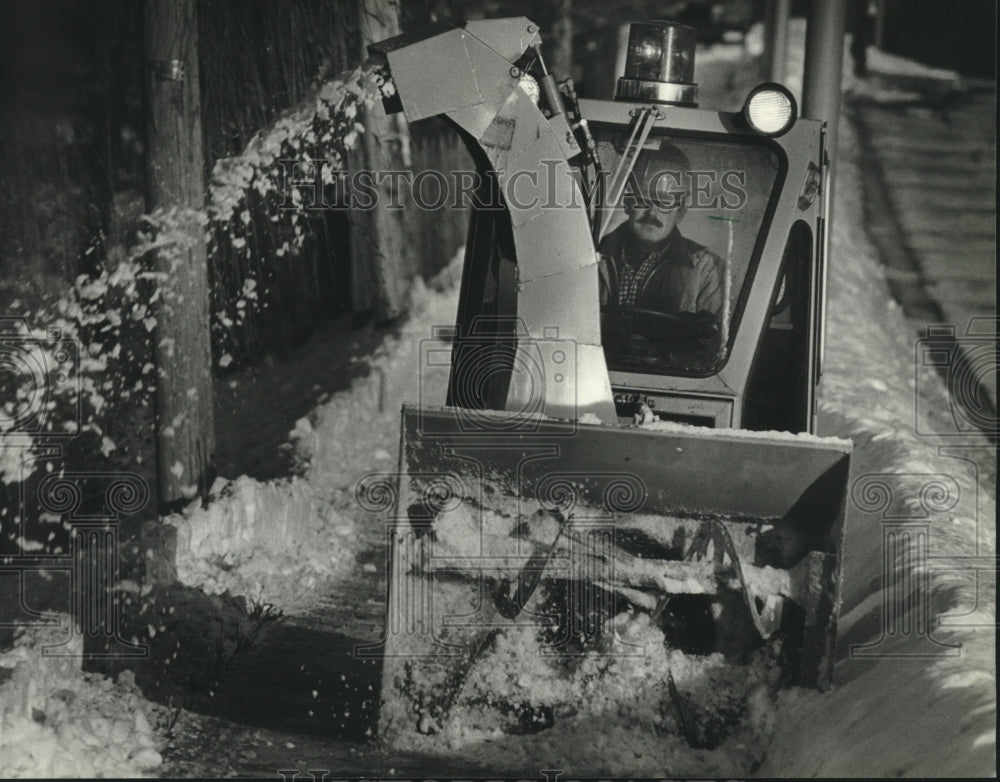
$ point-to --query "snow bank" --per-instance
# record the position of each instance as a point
(891, 78)
(59, 722)
(268, 541)
(277, 540)
(921, 709)
(917, 707)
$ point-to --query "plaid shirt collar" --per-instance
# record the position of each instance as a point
(634, 254)
(618, 246)
(632, 280)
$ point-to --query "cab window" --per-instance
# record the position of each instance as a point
(678, 248)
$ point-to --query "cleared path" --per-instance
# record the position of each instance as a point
(930, 198)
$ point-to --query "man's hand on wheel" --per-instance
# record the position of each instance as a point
(697, 324)
(690, 328)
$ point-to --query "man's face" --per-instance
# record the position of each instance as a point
(652, 223)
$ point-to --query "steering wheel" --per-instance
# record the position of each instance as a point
(667, 326)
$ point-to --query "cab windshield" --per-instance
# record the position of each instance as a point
(677, 247)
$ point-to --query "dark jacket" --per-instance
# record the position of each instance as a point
(688, 277)
(686, 281)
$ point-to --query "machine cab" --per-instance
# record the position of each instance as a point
(708, 228)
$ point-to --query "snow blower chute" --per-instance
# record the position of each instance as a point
(626, 455)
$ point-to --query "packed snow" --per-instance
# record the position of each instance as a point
(277, 541)
(56, 721)
(921, 708)
(663, 698)
(676, 427)
(619, 698)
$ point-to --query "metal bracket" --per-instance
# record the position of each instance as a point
(645, 119)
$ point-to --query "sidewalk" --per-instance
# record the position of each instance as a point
(930, 200)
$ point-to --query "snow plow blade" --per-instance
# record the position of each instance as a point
(557, 535)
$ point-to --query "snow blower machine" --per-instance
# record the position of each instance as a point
(621, 507)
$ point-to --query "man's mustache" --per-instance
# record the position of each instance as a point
(650, 219)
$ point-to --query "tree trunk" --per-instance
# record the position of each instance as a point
(175, 180)
(379, 276)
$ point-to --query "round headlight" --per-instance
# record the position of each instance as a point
(770, 109)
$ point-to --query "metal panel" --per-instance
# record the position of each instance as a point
(805, 480)
(507, 37)
(475, 120)
(560, 378)
(542, 301)
(434, 76)
(719, 410)
(493, 74)
(550, 224)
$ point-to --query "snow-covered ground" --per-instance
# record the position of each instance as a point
(56, 721)
(912, 708)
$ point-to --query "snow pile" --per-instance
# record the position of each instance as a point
(919, 689)
(894, 79)
(620, 699)
(270, 541)
(891, 78)
(277, 540)
(922, 708)
(59, 722)
(357, 431)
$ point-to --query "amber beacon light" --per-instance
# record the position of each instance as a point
(659, 64)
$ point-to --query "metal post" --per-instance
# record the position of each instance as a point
(879, 23)
(824, 62)
(823, 66)
(776, 39)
